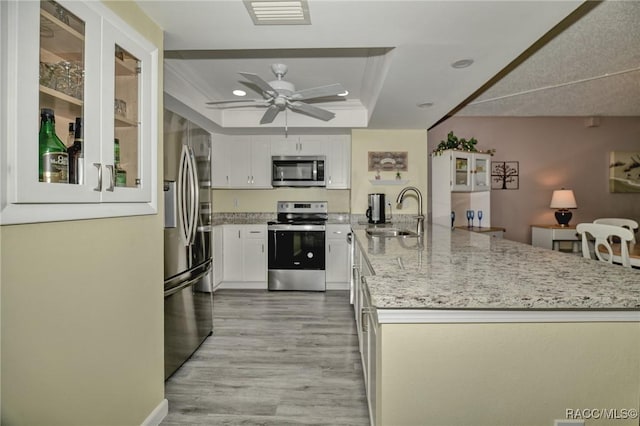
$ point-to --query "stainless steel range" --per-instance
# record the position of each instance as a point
(297, 246)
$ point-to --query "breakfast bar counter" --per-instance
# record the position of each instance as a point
(463, 329)
(466, 270)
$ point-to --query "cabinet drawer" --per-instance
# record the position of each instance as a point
(565, 234)
(255, 232)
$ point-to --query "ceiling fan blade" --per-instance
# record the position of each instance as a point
(258, 81)
(270, 114)
(318, 92)
(311, 110)
(229, 101)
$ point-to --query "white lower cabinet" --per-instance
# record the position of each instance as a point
(369, 342)
(337, 258)
(367, 327)
(218, 254)
(245, 256)
(254, 248)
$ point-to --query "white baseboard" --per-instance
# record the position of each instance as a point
(248, 285)
(157, 415)
(338, 286)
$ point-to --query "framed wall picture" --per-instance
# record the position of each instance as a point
(505, 175)
(388, 161)
(624, 172)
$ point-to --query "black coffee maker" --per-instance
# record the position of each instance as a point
(375, 210)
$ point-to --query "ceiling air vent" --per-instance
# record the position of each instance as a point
(273, 12)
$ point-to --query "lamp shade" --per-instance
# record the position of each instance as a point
(563, 199)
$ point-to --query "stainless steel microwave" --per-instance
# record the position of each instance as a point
(304, 170)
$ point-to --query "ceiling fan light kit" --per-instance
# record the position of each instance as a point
(280, 95)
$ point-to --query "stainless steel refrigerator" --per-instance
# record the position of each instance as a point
(188, 303)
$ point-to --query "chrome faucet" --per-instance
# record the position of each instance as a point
(420, 217)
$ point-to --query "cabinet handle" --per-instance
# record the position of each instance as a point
(112, 178)
(227, 178)
(329, 248)
(255, 232)
(99, 187)
(248, 179)
(363, 320)
(252, 179)
(263, 248)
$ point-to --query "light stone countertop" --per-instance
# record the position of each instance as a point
(263, 218)
(466, 270)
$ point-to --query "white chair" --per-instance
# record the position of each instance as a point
(630, 224)
(602, 233)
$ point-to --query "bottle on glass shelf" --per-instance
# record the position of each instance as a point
(116, 152)
(121, 174)
(72, 134)
(53, 161)
(76, 154)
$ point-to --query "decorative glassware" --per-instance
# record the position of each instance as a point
(453, 218)
(471, 214)
(479, 218)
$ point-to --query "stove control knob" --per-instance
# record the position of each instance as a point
(310, 255)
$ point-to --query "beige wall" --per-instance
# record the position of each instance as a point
(264, 200)
(82, 312)
(553, 153)
(412, 141)
(506, 374)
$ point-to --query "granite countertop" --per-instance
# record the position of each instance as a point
(466, 270)
(263, 218)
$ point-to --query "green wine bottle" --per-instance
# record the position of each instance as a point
(53, 161)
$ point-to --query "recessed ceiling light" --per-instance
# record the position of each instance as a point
(462, 63)
(345, 93)
(425, 104)
(239, 92)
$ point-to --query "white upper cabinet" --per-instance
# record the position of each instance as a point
(245, 161)
(83, 63)
(338, 168)
(298, 145)
(469, 171)
(241, 162)
(460, 182)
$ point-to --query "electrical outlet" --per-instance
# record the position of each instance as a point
(568, 423)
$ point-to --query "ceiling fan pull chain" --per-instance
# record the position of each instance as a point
(286, 124)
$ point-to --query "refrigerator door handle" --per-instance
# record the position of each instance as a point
(183, 211)
(195, 194)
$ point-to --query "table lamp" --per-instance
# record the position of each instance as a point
(563, 199)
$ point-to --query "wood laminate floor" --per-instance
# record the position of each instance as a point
(275, 358)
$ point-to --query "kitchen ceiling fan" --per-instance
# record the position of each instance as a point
(280, 95)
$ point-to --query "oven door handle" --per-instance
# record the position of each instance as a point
(291, 227)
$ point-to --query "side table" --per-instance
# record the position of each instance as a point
(550, 236)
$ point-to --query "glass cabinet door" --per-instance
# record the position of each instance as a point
(125, 109)
(61, 88)
(462, 169)
(126, 150)
(55, 44)
(481, 179)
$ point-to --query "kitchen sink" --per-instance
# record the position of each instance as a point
(390, 232)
